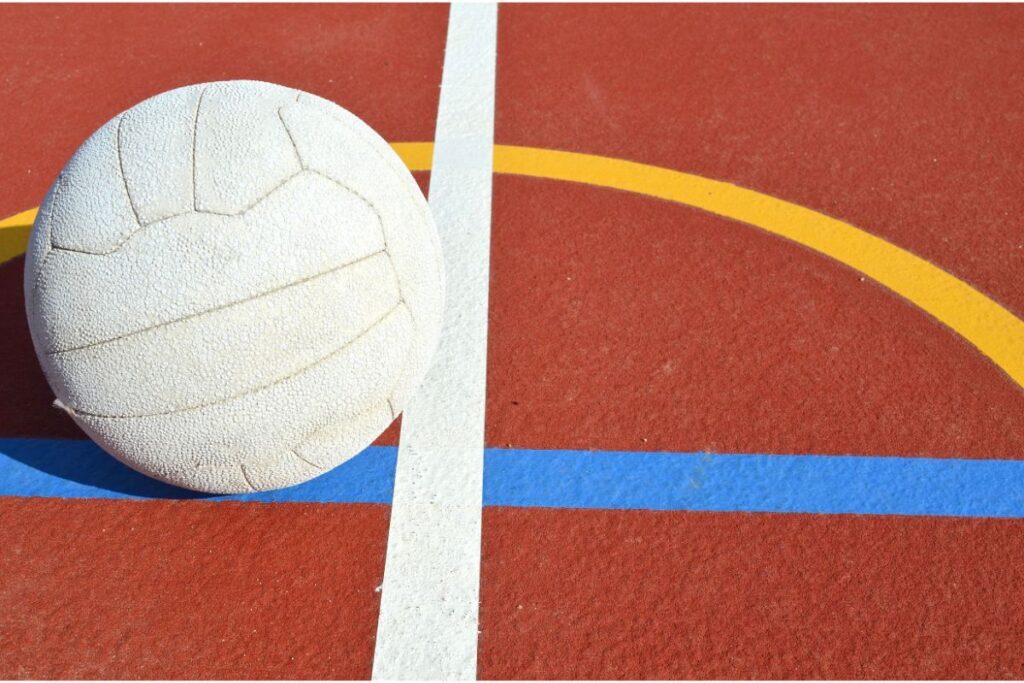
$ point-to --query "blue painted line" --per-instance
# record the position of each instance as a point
(584, 479)
(755, 483)
(80, 469)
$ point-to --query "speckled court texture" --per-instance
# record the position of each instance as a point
(754, 352)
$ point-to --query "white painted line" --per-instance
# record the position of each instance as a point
(428, 623)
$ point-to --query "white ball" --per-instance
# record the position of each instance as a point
(234, 286)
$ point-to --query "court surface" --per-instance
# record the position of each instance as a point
(742, 395)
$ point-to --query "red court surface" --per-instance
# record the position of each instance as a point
(167, 590)
(617, 322)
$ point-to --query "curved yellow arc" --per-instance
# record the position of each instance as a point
(993, 330)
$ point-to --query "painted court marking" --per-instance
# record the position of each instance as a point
(596, 480)
(993, 330)
(989, 327)
(429, 608)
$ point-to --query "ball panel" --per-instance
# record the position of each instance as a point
(215, 355)
(193, 263)
(92, 213)
(341, 440)
(242, 150)
(250, 429)
(352, 154)
(327, 448)
(156, 138)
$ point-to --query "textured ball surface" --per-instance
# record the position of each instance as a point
(234, 286)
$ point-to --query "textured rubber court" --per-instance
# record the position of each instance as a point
(754, 352)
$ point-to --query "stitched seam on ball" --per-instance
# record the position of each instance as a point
(173, 215)
(401, 293)
(275, 188)
(410, 353)
(240, 212)
(311, 464)
(294, 450)
(383, 234)
(142, 226)
(254, 390)
(423, 210)
(245, 475)
(124, 178)
(48, 243)
(195, 136)
(221, 307)
(390, 165)
(362, 197)
(295, 147)
(305, 440)
(410, 356)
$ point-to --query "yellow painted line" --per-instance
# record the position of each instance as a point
(416, 155)
(20, 219)
(14, 233)
(994, 331)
